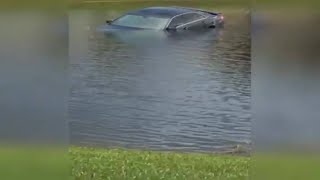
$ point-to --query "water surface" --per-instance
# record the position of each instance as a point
(186, 91)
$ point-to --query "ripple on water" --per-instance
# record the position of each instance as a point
(187, 92)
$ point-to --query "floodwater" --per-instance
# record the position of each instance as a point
(187, 91)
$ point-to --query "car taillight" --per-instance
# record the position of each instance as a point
(221, 17)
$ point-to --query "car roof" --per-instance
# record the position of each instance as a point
(164, 12)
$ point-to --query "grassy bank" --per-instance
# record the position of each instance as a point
(131, 4)
(98, 164)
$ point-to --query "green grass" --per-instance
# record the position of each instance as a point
(98, 164)
(132, 4)
(33, 163)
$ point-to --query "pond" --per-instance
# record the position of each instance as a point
(187, 91)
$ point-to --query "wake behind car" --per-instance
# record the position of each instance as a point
(167, 18)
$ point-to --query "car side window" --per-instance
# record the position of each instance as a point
(195, 16)
(185, 18)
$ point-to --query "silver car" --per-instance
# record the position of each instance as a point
(168, 18)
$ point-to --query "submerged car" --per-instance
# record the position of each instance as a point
(168, 18)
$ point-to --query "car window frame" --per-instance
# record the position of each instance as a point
(176, 16)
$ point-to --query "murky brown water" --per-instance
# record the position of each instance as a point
(182, 91)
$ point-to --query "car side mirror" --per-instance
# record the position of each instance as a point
(108, 21)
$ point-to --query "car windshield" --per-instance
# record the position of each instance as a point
(137, 21)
